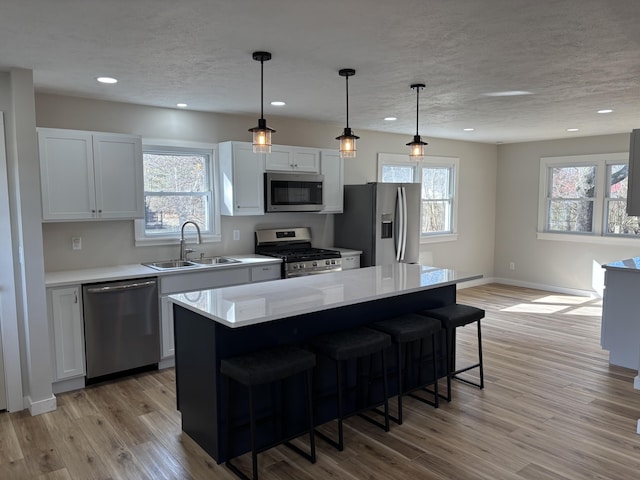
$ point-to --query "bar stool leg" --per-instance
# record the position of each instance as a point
(400, 383)
(312, 438)
(254, 455)
(436, 395)
(385, 392)
(339, 377)
(450, 359)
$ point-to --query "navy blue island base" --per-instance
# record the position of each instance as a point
(201, 343)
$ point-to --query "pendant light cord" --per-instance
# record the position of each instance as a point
(347, 83)
(261, 88)
(417, 108)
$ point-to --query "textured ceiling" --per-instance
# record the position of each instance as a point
(574, 56)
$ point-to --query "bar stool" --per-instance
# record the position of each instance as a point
(263, 367)
(451, 317)
(342, 346)
(405, 331)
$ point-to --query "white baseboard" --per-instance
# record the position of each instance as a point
(68, 385)
(41, 406)
(548, 288)
(167, 363)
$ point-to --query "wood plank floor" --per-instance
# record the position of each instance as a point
(552, 409)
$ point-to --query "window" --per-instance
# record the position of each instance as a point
(178, 186)
(437, 176)
(585, 195)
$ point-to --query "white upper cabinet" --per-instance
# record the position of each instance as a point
(90, 175)
(284, 158)
(332, 167)
(241, 179)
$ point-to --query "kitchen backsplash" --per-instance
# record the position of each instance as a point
(107, 243)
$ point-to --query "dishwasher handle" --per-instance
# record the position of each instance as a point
(115, 288)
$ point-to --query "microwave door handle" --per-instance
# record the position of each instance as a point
(400, 221)
(406, 221)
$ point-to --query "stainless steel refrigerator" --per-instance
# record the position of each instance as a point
(382, 220)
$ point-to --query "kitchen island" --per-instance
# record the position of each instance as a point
(211, 325)
(620, 329)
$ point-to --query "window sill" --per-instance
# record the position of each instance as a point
(448, 237)
(591, 239)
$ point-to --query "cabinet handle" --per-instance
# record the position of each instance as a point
(75, 297)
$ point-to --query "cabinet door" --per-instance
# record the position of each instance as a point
(118, 176)
(241, 179)
(66, 174)
(279, 159)
(166, 327)
(331, 166)
(306, 160)
(68, 332)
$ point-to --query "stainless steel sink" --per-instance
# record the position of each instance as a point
(169, 264)
(194, 263)
(214, 260)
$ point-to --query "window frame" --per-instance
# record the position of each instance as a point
(429, 161)
(141, 239)
(599, 234)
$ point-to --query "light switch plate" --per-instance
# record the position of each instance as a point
(76, 243)
(236, 234)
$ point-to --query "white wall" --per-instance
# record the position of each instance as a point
(472, 252)
(568, 265)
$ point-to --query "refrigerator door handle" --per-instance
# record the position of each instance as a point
(400, 225)
(406, 219)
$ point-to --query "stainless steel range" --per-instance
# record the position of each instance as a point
(293, 246)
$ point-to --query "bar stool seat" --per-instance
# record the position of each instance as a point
(265, 367)
(346, 345)
(404, 330)
(451, 317)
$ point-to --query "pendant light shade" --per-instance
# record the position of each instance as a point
(261, 133)
(347, 139)
(416, 148)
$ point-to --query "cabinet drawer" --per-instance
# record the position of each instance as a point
(211, 278)
(265, 272)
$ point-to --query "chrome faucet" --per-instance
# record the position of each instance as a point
(186, 251)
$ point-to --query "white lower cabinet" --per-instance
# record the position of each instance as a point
(350, 261)
(67, 332)
(265, 272)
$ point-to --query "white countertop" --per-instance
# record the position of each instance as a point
(252, 304)
(629, 264)
(345, 252)
(137, 270)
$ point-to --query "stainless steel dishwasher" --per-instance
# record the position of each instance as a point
(121, 325)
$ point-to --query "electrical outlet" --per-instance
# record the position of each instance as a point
(76, 243)
(512, 265)
(236, 234)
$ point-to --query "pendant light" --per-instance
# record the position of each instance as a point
(416, 151)
(261, 133)
(347, 139)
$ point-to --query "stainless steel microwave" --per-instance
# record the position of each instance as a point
(293, 192)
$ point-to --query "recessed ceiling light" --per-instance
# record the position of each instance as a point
(107, 80)
(390, 119)
(181, 105)
(573, 129)
(507, 93)
(605, 110)
(468, 129)
(278, 103)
